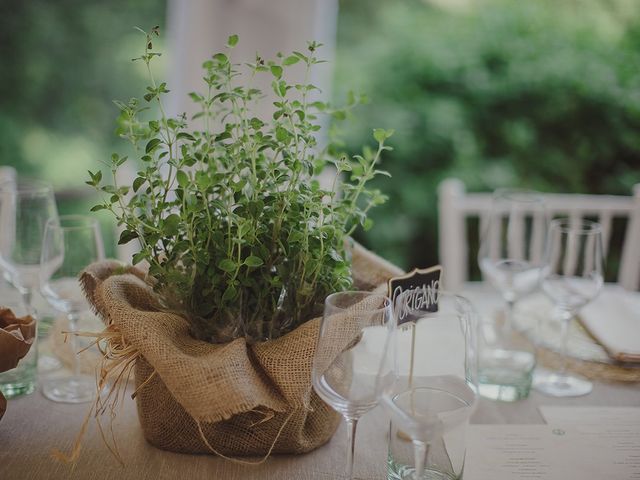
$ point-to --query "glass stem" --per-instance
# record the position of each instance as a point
(420, 451)
(72, 317)
(27, 297)
(508, 316)
(565, 319)
(352, 424)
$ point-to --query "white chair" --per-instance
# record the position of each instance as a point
(455, 206)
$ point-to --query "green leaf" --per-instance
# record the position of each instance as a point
(367, 224)
(202, 180)
(95, 178)
(379, 134)
(126, 236)
(185, 135)
(229, 294)
(138, 257)
(227, 265)
(137, 183)
(333, 253)
(182, 178)
(282, 134)
(276, 71)
(232, 41)
(97, 208)
(171, 225)
(151, 145)
(253, 261)
(221, 57)
(291, 60)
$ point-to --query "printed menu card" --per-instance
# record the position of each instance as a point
(574, 445)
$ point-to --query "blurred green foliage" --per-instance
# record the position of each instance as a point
(61, 65)
(541, 94)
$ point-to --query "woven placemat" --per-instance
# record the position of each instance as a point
(606, 372)
(585, 356)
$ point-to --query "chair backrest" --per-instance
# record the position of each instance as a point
(456, 205)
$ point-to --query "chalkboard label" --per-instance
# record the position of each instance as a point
(420, 288)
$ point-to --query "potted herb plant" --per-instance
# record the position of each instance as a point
(243, 244)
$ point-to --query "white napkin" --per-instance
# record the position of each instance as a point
(613, 319)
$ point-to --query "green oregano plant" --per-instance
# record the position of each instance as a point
(239, 236)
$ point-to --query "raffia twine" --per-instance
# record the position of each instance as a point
(231, 400)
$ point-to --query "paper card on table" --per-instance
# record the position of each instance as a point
(548, 452)
(613, 319)
(556, 415)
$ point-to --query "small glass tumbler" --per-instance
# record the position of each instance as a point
(445, 460)
(507, 358)
(21, 380)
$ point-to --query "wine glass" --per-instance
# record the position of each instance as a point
(70, 244)
(428, 383)
(512, 244)
(25, 207)
(510, 258)
(571, 277)
(348, 353)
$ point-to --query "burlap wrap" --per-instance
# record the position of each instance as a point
(243, 399)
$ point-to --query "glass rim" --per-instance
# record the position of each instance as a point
(580, 226)
(26, 184)
(84, 222)
(329, 300)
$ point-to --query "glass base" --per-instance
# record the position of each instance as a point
(505, 373)
(10, 390)
(396, 471)
(21, 380)
(556, 385)
(74, 389)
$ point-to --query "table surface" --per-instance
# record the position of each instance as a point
(33, 426)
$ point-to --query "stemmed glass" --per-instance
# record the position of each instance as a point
(571, 278)
(25, 208)
(348, 353)
(70, 244)
(428, 383)
(512, 244)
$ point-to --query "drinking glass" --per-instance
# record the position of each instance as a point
(572, 276)
(70, 244)
(25, 207)
(510, 258)
(348, 354)
(428, 383)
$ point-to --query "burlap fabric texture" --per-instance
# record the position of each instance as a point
(231, 399)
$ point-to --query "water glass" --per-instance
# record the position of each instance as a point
(22, 379)
(428, 383)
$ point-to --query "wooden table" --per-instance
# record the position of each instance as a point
(33, 426)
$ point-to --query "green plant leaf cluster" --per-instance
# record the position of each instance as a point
(239, 235)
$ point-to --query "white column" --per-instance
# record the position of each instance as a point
(199, 28)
